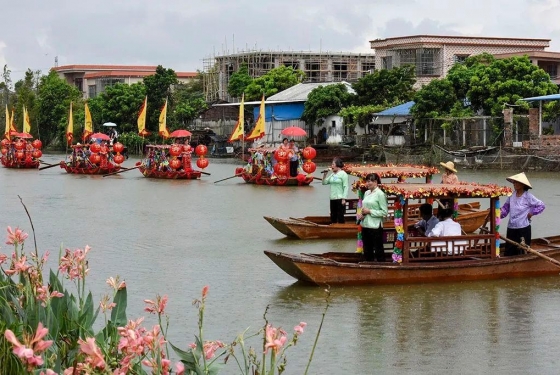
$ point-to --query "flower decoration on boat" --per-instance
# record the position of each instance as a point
(391, 170)
(462, 189)
(497, 214)
(360, 242)
(399, 228)
(455, 209)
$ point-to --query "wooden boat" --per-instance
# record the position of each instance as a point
(313, 227)
(446, 259)
(21, 153)
(270, 166)
(94, 159)
(172, 162)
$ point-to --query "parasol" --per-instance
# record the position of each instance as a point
(180, 133)
(103, 137)
(21, 135)
(294, 131)
(109, 124)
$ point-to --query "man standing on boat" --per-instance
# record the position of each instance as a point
(521, 207)
(339, 190)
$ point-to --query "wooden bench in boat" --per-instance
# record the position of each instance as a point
(471, 246)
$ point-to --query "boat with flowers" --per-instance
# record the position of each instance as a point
(270, 166)
(416, 259)
(94, 159)
(21, 152)
(470, 216)
(173, 162)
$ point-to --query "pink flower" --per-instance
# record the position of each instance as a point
(180, 368)
(31, 349)
(94, 356)
(205, 291)
(74, 264)
(299, 328)
(3, 258)
(44, 296)
(210, 348)
(48, 372)
(115, 283)
(275, 339)
(157, 307)
(15, 237)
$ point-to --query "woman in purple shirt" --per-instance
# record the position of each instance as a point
(521, 207)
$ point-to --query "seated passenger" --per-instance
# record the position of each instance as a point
(447, 227)
(428, 221)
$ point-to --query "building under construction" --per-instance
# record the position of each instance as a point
(318, 67)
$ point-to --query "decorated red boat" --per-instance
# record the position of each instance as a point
(270, 166)
(173, 162)
(20, 152)
(94, 158)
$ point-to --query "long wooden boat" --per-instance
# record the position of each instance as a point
(172, 162)
(314, 227)
(94, 159)
(92, 169)
(270, 166)
(426, 259)
(20, 154)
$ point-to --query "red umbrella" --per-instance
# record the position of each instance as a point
(24, 135)
(294, 131)
(103, 137)
(180, 133)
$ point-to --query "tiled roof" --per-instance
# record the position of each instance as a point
(142, 68)
(140, 74)
(299, 92)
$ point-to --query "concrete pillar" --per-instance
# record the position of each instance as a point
(508, 124)
(534, 123)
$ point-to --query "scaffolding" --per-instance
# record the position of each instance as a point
(317, 66)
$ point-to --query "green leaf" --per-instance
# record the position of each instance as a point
(118, 313)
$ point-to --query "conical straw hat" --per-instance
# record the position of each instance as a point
(449, 165)
(520, 178)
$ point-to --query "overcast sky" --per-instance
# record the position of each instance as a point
(179, 34)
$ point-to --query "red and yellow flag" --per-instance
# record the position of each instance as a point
(13, 121)
(70, 127)
(238, 131)
(26, 122)
(88, 123)
(258, 130)
(142, 118)
(163, 121)
(8, 124)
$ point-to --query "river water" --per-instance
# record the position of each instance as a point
(174, 237)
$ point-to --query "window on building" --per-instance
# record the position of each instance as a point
(79, 83)
(291, 64)
(387, 62)
(460, 59)
(106, 82)
(340, 71)
(313, 71)
(92, 91)
(368, 67)
(427, 61)
(549, 67)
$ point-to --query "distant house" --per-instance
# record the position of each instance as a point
(285, 109)
(92, 80)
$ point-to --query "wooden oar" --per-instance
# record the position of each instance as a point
(122, 170)
(317, 178)
(223, 179)
(526, 248)
(42, 162)
(206, 173)
(49, 166)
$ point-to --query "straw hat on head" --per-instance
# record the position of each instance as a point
(520, 178)
(449, 165)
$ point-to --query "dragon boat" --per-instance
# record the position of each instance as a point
(94, 159)
(173, 162)
(21, 153)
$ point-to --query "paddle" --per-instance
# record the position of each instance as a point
(122, 170)
(223, 179)
(42, 162)
(206, 173)
(49, 166)
(317, 178)
(526, 248)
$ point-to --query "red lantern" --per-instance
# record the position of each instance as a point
(309, 167)
(281, 155)
(175, 150)
(281, 169)
(309, 153)
(95, 158)
(20, 154)
(37, 144)
(4, 150)
(37, 154)
(187, 148)
(103, 149)
(300, 178)
(202, 163)
(5, 142)
(95, 147)
(118, 158)
(201, 150)
(19, 145)
(175, 163)
(118, 147)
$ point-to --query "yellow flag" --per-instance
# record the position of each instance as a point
(258, 130)
(26, 122)
(142, 118)
(163, 121)
(88, 124)
(238, 131)
(13, 121)
(70, 128)
(8, 124)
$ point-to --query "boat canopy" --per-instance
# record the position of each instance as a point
(460, 190)
(391, 171)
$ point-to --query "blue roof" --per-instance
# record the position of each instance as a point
(542, 98)
(400, 110)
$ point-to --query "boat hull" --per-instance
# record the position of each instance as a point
(259, 179)
(90, 169)
(346, 268)
(170, 174)
(318, 227)
(19, 164)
